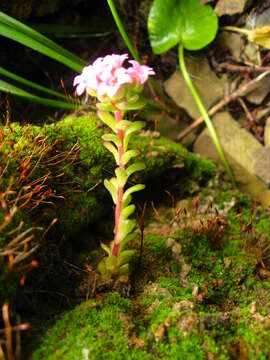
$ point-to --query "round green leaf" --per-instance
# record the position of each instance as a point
(181, 21)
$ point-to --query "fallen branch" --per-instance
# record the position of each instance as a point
(241, 91)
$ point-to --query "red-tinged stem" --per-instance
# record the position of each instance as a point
(117, 213)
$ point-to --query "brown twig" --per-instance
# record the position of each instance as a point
(242, 90)
(7, 331)
(243, 68)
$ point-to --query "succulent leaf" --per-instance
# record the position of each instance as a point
(112, 190)
(135, 167)
(109, 146)
(128, 155)
(108, 119)
(132, 189)
(121, 176)
(113, 138)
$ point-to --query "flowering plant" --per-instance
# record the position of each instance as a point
(118, 90)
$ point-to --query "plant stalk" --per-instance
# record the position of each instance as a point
(123, 31)
(117, 212)
(203, 111)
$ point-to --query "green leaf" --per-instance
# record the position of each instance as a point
(128, 155)
(112, 189)
(106, 248)
(181, 21)
(123, 124)
(17, 31)
(125, 256)
(126, 106)
(127, 211)
(30, 83)
(135, 126)
(14, 90)
(135, 167)
(126, 201)
(126, 240)
(113, 138)
(121, 176)
(105, 107)
(108, 119)
(113, 150)
(132, 189)
(125, 227)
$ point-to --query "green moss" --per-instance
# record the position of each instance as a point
(96, 329)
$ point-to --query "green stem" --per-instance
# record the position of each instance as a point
(122, 30)
(204, 113)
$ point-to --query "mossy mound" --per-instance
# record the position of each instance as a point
(200, 290)
(57, 172)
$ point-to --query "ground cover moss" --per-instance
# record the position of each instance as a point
(215, 305)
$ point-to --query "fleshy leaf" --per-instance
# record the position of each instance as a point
(128, 155)
(112, 190)
(125, 105)
(126, 240)
(106, 248)
(105, 107)
(135, 167)
(132, 189)
(125, 227)
(113, 138)
(123, 124)
(113, 150)
(127, 211)
(125, 256)
(181, 21)
(135, 126)
(108, 119)
(121, 176)
(126, 201)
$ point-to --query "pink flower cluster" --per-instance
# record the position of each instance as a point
(107, 76)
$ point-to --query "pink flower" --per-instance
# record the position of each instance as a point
(107, 76)
(139, 72)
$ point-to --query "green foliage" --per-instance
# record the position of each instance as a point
(25, 35)
(17, 31)
(188, 22)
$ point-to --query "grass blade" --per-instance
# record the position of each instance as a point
(14, 90)
(25, 35)
(30, 83)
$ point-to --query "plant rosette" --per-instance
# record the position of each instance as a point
(118, 90)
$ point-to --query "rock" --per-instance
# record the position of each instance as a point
(239, 146)
(259, 91)
(204, 78)
(237, 142)
(230, 7)
(232, 41)
(261, 164)
(157, 290)
(160, 333)
(188, 324)
(267, 132)
(183, 305)
(253, 308)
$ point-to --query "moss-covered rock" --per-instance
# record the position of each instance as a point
(57, 172)
(214, 304)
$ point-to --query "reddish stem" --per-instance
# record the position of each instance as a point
(120, 134)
